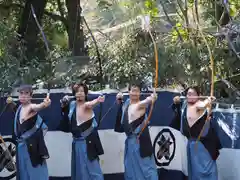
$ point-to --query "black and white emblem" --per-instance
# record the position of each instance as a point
(7, 163)
(164, 147)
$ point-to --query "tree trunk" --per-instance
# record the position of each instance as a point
(28, 28)
(75, 29)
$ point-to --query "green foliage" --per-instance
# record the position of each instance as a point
(123, 61)
(151, 8)
(127, 53)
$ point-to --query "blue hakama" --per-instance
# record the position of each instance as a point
(136, 166)
(24, 166)
(23, 132)
(201, 166)
(82, 167)
(201, 154)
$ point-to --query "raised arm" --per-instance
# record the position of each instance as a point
(176, 107)
(65, 101)
(64, 123)
(118, 125)
(206, 103)
(93, 103)
(39, 107)
(150, 99)
(176, 104)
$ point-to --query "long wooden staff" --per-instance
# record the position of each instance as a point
(146, 25)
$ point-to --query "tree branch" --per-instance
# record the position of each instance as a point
(53, 16)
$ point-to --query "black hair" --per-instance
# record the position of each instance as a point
(223, 93)
(195, 88)
(76, 86)
(137, 84)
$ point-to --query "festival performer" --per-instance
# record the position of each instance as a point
(80, 120)
(202, 154)
(139, 162)
(29, 130)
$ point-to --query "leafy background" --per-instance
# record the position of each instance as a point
(126, 50)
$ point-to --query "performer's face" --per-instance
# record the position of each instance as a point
(25, 97)
(134, 93)
(80, 94)
(192, 96)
